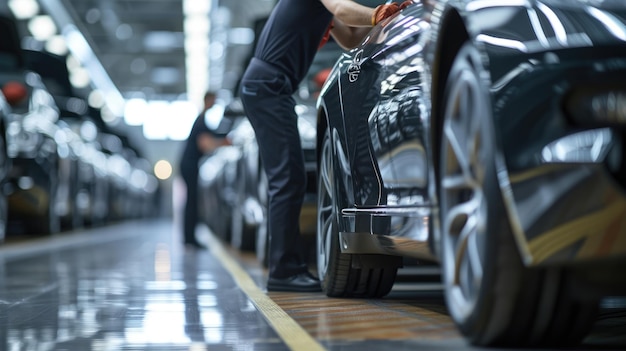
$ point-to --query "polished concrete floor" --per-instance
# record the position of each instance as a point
(133, 286)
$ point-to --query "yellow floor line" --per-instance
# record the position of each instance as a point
(288, 329)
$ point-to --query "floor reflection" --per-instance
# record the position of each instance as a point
(130, 294)
(134, 287)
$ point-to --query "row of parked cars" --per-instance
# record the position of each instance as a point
(61, 167)
(484, 137)
(233, 198)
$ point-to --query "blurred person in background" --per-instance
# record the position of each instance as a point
(201, 141)
(289, 41)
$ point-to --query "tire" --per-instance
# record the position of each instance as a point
(338, 277)
(491, 296)
(47, 222)
(262, 243)
(262, 233)
(51, 222)
(4, 170)
(242, 234)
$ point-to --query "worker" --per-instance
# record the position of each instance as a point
(201, 141)
(283, 55)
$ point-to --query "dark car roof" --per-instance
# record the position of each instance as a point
(11, 55)
(50, 67)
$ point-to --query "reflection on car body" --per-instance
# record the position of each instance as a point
(5, 165)
(486, 137)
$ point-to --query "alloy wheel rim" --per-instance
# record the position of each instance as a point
(465, 208)
(324, 211)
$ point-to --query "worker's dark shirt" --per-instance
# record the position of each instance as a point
(191, 153)
(291, 36)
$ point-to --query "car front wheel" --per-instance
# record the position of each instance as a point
(492, 297)
(338, 276)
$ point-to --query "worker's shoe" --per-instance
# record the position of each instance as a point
(301, 282)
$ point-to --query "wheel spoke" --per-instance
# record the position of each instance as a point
(456, 141)
(325, 208)
(467, 255)
(474, 252)
(455, 182)
(325, 215)
(463, 203)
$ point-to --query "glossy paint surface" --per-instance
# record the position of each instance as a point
(560, 175)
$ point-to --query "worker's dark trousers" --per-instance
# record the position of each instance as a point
(190, 217)
(267, 97)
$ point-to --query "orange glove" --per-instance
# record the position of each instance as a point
(405, 4)
(383, 11)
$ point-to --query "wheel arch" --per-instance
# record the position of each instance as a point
(342, 192)
(450, 39)
(322, 125)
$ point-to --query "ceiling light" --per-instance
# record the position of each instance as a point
(42, 27)
(163, 41)
(155, 127)
(185, 114)
(135, 112)
(79, 77)
(163, 169)
(56, 45)
(24, 9)
(96, 99)
(196, 45)
(108, 116)
(196, 25)
(194, 7)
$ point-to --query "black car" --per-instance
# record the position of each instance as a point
(73, 196)
(246, 205)
(5, 165)
(33, 180)
(488, 137)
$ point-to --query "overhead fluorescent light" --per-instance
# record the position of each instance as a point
(42, 27)
(25, 9)
(194, 7)
(162, 41)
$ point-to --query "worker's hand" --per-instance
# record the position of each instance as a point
(383, 11)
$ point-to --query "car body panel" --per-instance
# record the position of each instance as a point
(381, 99)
